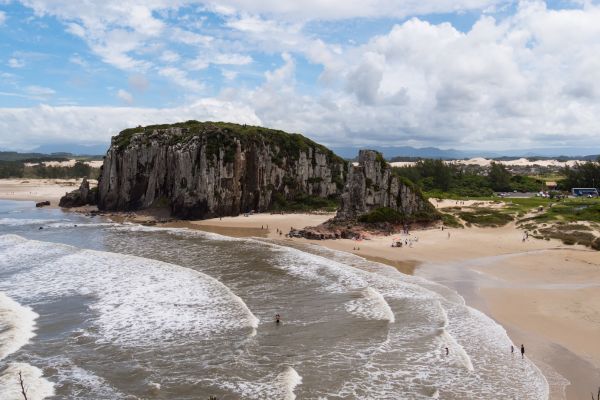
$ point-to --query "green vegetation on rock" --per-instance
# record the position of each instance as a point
(225, 135)
(302, 203)
(389, 215)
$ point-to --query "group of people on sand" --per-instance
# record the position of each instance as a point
(512, 350)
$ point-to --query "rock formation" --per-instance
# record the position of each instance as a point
(80, 197)
(371, 184)
(206, 169)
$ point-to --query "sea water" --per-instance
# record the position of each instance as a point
(91, 309)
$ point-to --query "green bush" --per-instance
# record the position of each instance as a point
(383, 214)
(486, 217)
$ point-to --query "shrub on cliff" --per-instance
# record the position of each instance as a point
(383, 214)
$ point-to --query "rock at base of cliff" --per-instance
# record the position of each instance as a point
(80, 197)
(42, 203)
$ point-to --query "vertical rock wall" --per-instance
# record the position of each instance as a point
(204, 170)
(371, 184)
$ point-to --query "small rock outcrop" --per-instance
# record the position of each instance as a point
(212, 169)
(80, 197)
(42, 204)
(371, 185)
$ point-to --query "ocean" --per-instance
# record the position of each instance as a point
(91, 309)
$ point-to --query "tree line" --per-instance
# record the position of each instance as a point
(581, 175)
(437, 176)
(18, 169)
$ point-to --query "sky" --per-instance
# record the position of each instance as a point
(465, 74)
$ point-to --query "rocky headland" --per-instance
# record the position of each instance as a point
(203, 170)
(200, 170)
(374, 200)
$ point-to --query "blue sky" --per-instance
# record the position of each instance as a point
(467, 74)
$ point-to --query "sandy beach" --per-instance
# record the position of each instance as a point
(545, 294)
(38, 189)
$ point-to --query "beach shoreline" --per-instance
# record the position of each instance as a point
(486, 266)
(544, 293)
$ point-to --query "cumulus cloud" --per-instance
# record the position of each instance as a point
(125, 96)
(344, 9)
(529, 79)
(30, 127)
(15, 63)
(181, 78)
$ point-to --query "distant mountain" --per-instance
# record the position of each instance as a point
(37, 157)
(453, 154)
(73, 149)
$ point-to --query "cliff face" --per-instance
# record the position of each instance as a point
(371, 184)
(204, 170)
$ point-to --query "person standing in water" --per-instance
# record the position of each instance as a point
(277, 318)
(522, 351)
(512, 349)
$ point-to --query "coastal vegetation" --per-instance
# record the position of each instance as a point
(586, 175)
(303, 203)
(395, 217)
(22, 169)
(224, 135)
(571, 220)
(440, 179)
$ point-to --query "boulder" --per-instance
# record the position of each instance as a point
(80, 197)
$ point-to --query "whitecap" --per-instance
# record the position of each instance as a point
(137, 300)
(36, 386)
(17, 324)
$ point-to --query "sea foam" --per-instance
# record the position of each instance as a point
(137, 300)
(37, 387)
(17, 324)
(371, 305)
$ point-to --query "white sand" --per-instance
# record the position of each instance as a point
(38, 189)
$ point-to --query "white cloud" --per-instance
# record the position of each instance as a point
(2, 17)
(169, 56)
(16, 63)
(527, 80)
(190, 38)
(125, 96)
(232, 59)
(344, 9)
(530, 80)
(181, 78)
(91, 125)
(39, 91)
(229, 75)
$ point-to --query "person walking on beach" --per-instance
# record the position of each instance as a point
(522, 351)
(512, 349)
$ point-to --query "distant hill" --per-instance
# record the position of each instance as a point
(73, 149)
(39, 157)
(403, 153)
